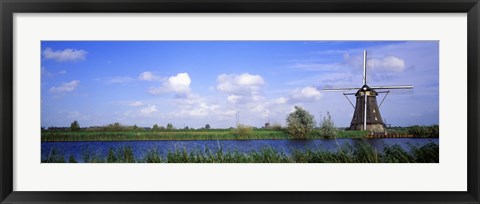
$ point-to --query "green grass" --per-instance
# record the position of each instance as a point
(184, 135)
(431, 131)
(172, 135)
(245, 133)
(359, 152)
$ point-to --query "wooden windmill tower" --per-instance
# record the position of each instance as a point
(367, 114)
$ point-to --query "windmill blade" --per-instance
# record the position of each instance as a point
(341, 89)
(364, 67)
(393, 87)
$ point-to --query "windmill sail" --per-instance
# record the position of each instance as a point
(364, 67)
(340, 89)
(393, 87)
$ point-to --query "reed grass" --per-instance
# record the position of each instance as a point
(358, 152)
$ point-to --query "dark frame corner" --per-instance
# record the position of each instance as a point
(9, 7)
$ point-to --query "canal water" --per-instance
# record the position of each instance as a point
(140, 148)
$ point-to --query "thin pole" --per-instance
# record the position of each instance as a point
(365, 93)
(349, 100)
(383, 99)
(365, 112)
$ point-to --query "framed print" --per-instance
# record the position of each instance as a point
(257, 102)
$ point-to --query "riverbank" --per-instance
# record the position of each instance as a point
(161, 135)
(260, 134)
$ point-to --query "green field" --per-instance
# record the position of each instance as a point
(184, 135)
(241, 133)
(166, 135)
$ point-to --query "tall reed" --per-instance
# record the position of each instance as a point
(358, 152)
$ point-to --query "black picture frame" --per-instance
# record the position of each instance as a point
(10, 7)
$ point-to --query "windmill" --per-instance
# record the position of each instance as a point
(367, 114)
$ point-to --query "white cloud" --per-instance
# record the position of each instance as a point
(383, 63)
(243, 88)
(234, 98)
(388, 63)
(64, 55)
(348, 72)
(119, 80)
(281, 100)
(305, 94)
(227, 113)
(136, 103)
(65, 87)
(148, 111)
(178, 84)
(201, 109)
(239, 84)
(45, 72)
(149, 76)
(195, 106)
(317, 66)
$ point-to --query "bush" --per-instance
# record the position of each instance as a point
(327, 127)
(170, 126)
(300, 123)
(74, 127)
(243, 131)
(275, 126)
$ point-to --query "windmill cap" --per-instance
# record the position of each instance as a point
(366, 88)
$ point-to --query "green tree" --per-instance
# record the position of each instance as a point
(300, 123)
(155, 127)
(207, 126)
(74, 127)
(327, 127)
(169, 126)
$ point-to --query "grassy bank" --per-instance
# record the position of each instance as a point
(221, 134)
(360, 152)
(185, 135)
(171, 135)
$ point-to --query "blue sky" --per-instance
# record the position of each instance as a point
(192, 83)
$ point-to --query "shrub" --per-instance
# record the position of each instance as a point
(327, 127)
(74, 127)
(300, 123)
(243, 131)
